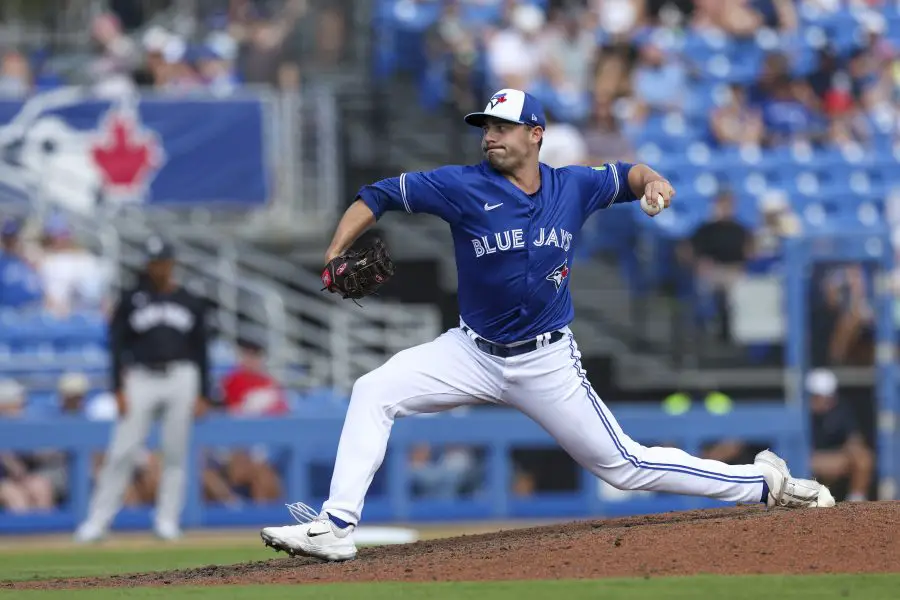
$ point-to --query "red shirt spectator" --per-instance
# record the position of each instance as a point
(249, 389)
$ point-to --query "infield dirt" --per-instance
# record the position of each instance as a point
(850, 538)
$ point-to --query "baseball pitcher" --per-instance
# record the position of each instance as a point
(515, 223)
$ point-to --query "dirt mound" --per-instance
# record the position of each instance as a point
(850, 538)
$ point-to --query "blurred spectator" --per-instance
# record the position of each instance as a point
(329, 25)
(111, 70)
(821, 80)
(841, 101)
(735, 123)
(778, 224)
(215, 71)
(604, 138)
(175, 71)
(786, 118)
(843, 318)
(248, 390)
(668, 12)
(618, 18)
(153, 71)
(20, 285)
(659, 81)
(72, 389)
(839, 449)
(452, 474)
(26, 482)
(73, 278)
(716, 254)
(737, 17)
(562, 145)
(821, 6)
(454, 53)
(261, 34)
(15, 74)
(776, 14)
(131, 13)
(787, 104)
(569, 55)
(513, 53)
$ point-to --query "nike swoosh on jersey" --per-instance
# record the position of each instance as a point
(491, 206)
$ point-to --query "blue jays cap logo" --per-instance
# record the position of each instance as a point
(510, 105)
(498, 99)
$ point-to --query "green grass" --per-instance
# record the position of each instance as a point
(88, 562)
(32, 563)
(825, 587)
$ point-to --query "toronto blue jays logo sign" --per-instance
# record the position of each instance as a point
(81, 151)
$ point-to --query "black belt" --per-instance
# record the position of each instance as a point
(507, 351)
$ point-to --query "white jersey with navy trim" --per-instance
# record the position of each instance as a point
(513, 250)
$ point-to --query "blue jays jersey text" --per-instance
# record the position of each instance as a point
(513, 250)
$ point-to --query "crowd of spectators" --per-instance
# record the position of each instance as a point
(222, 45)
(42, 265)
(588, 58)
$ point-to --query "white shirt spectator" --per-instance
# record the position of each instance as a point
(73, 279)
(617, 17)
(513, 54)
(563, 146)
(569, 52)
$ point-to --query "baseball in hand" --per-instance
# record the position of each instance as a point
(652, 209)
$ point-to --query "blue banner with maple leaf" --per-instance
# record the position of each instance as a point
(82, 151)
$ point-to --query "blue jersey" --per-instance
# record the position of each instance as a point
(513, 250)
(19, 283)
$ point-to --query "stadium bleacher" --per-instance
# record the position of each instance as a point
(37, 348)
(827, 186)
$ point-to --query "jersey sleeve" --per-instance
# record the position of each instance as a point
(429, 192)
(606, 185)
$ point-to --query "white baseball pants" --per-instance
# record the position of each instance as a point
(547, 384)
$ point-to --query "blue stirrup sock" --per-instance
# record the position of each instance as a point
(341, 524)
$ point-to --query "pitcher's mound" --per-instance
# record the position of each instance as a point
(850, 538)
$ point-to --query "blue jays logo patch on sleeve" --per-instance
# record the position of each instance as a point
(559, 275)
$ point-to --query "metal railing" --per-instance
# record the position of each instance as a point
(337, 341)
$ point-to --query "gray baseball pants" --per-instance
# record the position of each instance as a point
(169, 396)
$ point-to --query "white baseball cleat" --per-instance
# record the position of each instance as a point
(787, 491)
(315, 536)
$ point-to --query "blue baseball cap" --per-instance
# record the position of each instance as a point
(511, 105)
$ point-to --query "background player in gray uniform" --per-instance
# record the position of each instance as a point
(158, 346)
